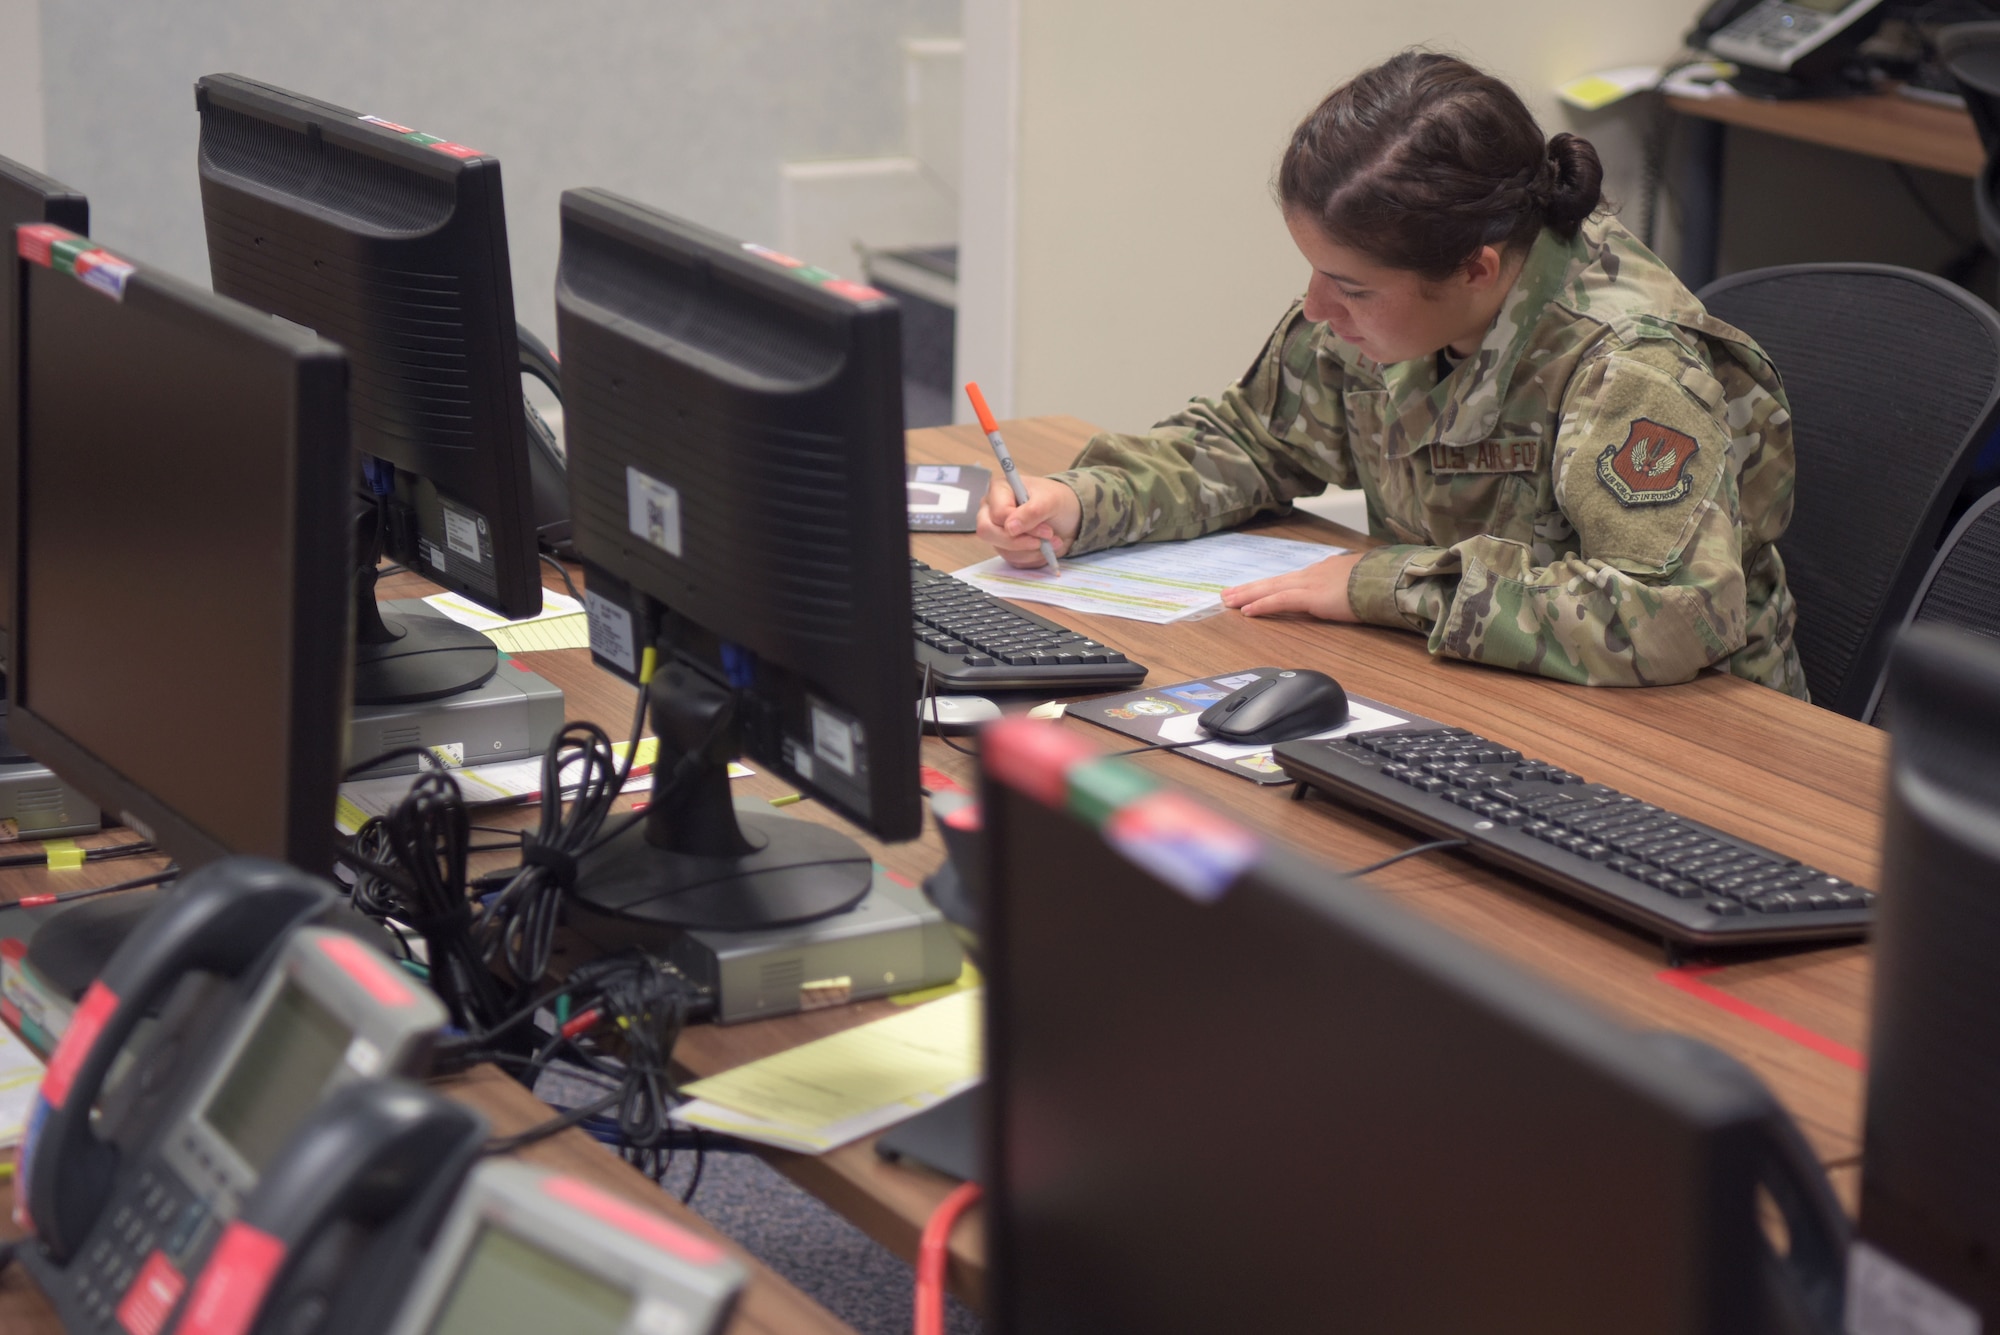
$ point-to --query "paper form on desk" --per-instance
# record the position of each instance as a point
(824, 1094)
(1156, 582)
(485, 785)
(561, 624)
(20, 1079)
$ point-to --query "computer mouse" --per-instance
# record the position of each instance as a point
(1291, 705)
(956, 713)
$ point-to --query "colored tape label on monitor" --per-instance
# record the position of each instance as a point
(422, 140)
(813, 274)
(64, 251)
(1183, 843)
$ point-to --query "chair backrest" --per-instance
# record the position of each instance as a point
(1962, 587)
(1894, 382)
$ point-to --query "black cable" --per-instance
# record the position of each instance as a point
(519, 924)
(1432, 847)
(105, 854)
(928, 695)
(554, 1126)
(91, 892)
(562, 570)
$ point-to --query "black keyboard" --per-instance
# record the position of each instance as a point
(1670, 875)
(972, 641)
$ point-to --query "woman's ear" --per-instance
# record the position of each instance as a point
(1483, 269)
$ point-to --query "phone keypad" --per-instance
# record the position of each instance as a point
(157, 1214)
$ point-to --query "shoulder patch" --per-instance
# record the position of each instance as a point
(1650, 467)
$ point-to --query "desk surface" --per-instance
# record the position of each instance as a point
(1739, 756)
(1879, 125)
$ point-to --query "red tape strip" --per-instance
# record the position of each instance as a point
(1689, 981)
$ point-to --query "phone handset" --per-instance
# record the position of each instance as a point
(1806, 1289)
(341, 1218)
(548, 466)
(221, 919)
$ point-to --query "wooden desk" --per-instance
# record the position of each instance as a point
(1743, 758)
(1883, 125)
(1739, 756)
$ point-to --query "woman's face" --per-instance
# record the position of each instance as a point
(1395, 315)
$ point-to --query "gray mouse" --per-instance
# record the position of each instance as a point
(1283, 708)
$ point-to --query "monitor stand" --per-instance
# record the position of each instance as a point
(700, 859)
(422, 680)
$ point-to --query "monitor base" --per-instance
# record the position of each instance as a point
(513, 716)
(425, 656)
(795, 872)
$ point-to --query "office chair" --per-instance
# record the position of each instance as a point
(1971, 53)
(1961, 589)
(1894, 382)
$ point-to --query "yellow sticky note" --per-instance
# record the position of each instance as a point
(1601, 89)
(559, 632)
(63, 854)
(921, 1052)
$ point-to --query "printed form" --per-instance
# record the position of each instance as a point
(1157, 582)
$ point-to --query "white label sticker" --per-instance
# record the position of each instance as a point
(452, 754)
(610, 632)
(937, 473)
(1885, 1297)
(431, 555)
(833, 740)
(461, 534)
(653, 511)
(799, 759)
(363, 1057)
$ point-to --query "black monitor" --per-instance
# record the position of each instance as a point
(26, 196)
(393, 243)
(184, 555)
(735, 439)
(1232, 1091)
(1930, 1164)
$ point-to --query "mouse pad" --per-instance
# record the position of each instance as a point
(944, 498)
(1170, 714)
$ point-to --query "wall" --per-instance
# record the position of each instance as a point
(690, 105)
(1147, 260)
(21, 81)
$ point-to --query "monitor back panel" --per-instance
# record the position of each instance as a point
(25, 197)
(396, 250)
(736, 454)
(1292, 1108)
(185, 545)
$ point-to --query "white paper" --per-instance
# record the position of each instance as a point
(468, 613)
(714, 1117)
(1360, 718)
(20, 1080)
(1885, 1297)
(1157, 582)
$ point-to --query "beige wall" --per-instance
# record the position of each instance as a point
(21, 81)
(1151, 260)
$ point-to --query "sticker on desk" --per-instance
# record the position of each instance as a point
(653, 511)
(1886, 1297)
(1171, 714)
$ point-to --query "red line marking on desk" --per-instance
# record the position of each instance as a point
(1688, 980)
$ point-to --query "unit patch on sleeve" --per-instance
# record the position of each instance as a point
(1650, 467)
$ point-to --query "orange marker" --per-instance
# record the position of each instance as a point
(992, 430)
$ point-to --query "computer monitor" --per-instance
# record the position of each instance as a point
(393, 243)
(735, 439)
(184, 555)
(1230, 1090)
(26, 196)
(1930, 1163)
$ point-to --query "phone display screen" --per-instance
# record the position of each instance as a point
(509, 1284)
(278, 1076)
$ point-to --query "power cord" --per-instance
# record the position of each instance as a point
(562, 570)
(71, 896)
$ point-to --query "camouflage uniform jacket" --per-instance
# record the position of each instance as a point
(1593, 495)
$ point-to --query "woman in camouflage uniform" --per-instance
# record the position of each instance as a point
(1579, 471)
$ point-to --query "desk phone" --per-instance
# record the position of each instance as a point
(1799, 37)
(373, 1219)
(125, 1187)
